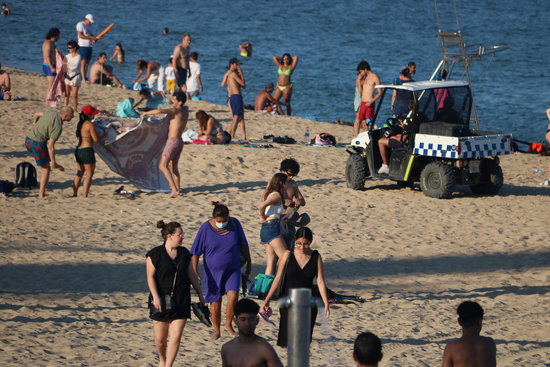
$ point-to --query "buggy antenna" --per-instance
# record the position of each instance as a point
(455, 50)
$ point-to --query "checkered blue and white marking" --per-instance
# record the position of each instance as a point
(436, 150)
(470, 147)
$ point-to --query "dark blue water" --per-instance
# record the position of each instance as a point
(330, 38)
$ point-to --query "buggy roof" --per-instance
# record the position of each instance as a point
(428, 84)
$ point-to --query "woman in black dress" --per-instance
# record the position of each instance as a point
(303, 266)
(169, 272)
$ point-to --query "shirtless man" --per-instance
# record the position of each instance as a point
(367, 350)
(248, 349)
(180, 60)
(471, 349)
(265, 101)
(368, 81)
(101, 73)
(179, 114)
(49, 55)
(5, 84)
(234, 80)
(294, 199)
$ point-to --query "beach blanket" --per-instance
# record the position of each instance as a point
(126, 109)
(136, 154)
(58, 87)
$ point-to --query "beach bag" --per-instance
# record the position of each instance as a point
(6, 187)
(324, 139)
(25, 175)
(167, 302)
(261, 285)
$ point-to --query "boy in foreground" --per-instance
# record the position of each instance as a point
(248, 349)
(471, 349)
(367, 350)
(179, 114)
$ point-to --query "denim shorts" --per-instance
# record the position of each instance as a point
(270, 230)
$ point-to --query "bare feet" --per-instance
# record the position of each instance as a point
(174, 194)
(216, 335)
(230, 330)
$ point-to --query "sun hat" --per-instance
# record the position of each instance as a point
(90, 17)
(89, 110)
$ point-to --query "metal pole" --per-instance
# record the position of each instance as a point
(299, 325)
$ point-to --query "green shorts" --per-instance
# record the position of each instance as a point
(85, 155)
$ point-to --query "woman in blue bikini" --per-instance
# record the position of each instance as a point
(286, 66)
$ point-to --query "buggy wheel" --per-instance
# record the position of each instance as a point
(357, 172)
(437, 180)
(491, 178)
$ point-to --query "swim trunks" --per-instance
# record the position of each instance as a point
(173, 148)
(182, 76)
(365, 111)
(237, 105)
(39, 150)
(47, 70)
(171, 84)
(84, 155)
(85, 53)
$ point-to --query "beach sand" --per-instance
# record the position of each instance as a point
(72, 271)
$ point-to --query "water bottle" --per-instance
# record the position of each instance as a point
(306, 135)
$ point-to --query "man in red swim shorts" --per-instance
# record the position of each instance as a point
(366, 84)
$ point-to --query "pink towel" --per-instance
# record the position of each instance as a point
(58, 86)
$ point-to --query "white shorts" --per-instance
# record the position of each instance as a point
(157, 76)
(74, 82)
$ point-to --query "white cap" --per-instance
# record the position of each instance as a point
(90, 17)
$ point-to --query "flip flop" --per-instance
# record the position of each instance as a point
(202, 313)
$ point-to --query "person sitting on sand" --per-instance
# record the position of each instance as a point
(246, 49)
(179, 113)
(101, 73)
(47, 128)
(84, 152)
(248, 349)
(265, 102)
(5, 84)
(211, 129)
(154, 72)
(471, 349)
(367, 350)
(152, 99)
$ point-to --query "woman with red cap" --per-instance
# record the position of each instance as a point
(84, 153)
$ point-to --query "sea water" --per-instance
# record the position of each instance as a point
(329, 37)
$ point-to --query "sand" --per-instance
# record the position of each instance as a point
(72, 271)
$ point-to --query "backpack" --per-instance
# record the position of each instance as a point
(324, 139)
(25, 175)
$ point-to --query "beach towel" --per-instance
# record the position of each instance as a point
(126, 109)
(136, 154)
(58, 87)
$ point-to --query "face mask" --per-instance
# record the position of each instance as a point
(222, 225)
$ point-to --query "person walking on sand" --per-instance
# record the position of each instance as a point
(180, 58)
(179, 113)
(84, 152)
(72, 79)
(368, 98)
(47, 128)
(49, 54)
(248, 349)
(471, 349)
(85, 40)
(222, 243)
(169, 276)
(285, 68)
(367, 350)
(234, 80)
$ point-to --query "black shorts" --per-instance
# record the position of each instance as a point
(84, 155)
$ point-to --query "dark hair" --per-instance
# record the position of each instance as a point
(202, 118)
(170, 61)
(141, 64)
(289, 57)
(246, 305)
(144, 92)
(411, 63)
(367, 348)
(120, 46)
(101, 54)
(180, 96)
(363, 65)
(469, 312)
(220, 210)
(444, 74)
(406, 72)
(73, 44)
(304, 232)
(290, 165)
(194, 55)
(53, 32)
(167, 229)
(277, 184)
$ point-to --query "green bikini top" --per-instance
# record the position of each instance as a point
(287, 72)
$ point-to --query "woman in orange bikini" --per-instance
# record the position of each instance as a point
(286, 66)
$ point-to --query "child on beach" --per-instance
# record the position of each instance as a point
(179, 114)
(234, 80)
(170, 77)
